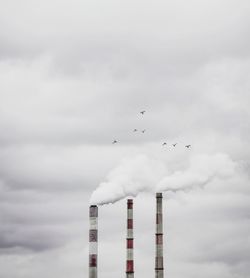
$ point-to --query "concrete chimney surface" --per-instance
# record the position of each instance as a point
(93, 240)
(130, 240)
(159, 268)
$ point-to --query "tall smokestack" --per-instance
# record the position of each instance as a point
(159, 270)
(93, 217)
(130, 240)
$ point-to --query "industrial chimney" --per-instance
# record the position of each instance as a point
(93, 217)
(130, 240)
(159, 270)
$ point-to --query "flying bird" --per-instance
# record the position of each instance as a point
(142, 112)
(135, 130)
(174, 144)
(114, 142)
(188, 146)
(143, 130)
(164, 144)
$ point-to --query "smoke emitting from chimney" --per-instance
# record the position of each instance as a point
(144, 174)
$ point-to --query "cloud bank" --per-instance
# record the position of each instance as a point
(73, 77)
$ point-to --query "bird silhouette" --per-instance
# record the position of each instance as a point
(135, 130)
(142, 112)
(143, 130)
(164, 144)
(174, 144)
(114, 142)
(188, 146)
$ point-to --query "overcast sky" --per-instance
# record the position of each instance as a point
(74, 76)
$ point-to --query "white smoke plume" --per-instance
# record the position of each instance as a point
(143, 174)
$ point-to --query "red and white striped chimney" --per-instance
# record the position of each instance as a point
(159, 269)
(93, 232)
(130, 240)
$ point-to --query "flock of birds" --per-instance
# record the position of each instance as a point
(143, 131)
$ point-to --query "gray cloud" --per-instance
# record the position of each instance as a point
(73, 77)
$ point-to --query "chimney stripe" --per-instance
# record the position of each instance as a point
(93, 235)
(130, 243)
(159, 239)
(93, 248)
(130, 254)
(93, 260)
(130, 204)
(93, 223)
(130, 233)
(130, 213)
(93, 211)
(130, 266)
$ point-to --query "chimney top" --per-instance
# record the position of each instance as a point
(158, 195)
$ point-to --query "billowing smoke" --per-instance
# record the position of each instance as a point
(144, 174)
